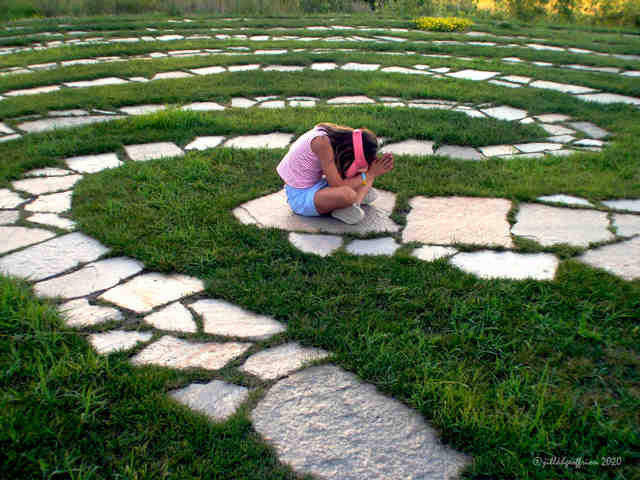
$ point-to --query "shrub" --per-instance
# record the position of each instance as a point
(443, 24)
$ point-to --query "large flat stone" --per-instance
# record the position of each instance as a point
(145, 292)
(450, 220)
(19, 237)
(99, 82)
(239, 102)
(537, 147)
(52, 220)
(8, 217)
(116, 340)
(566, 199)
(32, 91)
(93, 163)
(38, 186)
(47, 172)
(510, 265)
(552, 225)
(90, 279)
(9, 199)
(409, 147)
(52, 257)
(356, 99)
(557, 129)
(495, 150)
(79, 313)
(630, 205)
(281, 361)
(208, 70)
(627, 225)
(142, 109)
(344, 429)
(323, 66)
(429, 253)
(203, 143)
(621, 259)
(273, 211)
(175, 353)
(51, 203)
(153, 151)
(607, 98)
(470, 74)
(458, 152)
(361, 67)
(505, 113)
(269, 140)
(174, 317)
(218, 400)
(322, 245)
(203, 107)
(171, 75)
(560, 87)
(376, 246)
(590, 129)
(45, 125)
(552, 117)
(223, 318)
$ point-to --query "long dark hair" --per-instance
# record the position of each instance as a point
(341, 139)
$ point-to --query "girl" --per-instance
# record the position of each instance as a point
(331, 169)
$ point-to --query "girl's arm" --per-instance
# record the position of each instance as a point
(321, 146)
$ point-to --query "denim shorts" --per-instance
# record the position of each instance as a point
(301, 199)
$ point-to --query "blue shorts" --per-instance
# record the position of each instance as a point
(301, 199)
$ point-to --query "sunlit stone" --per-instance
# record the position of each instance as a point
(627, 225)
(621, 259)
(203, 107)
(560, 87)
(48, 124)
(218, 400)
(631, 205)
(516, 266)
(51, 203)
(9, 216)
(496, 150)
(96, 83)
(37, 186)
(142, 109)
(505, 113)
(376, 246)
(462, 153)
(79, 313)
(409, 147)
(152, 151)
(93, 163)
(269, 140)
(9, 199)
(350, 100)
(19, 237)
(429, 253)
(117, 340)
(208, 70)
(281, 361)
(471, 74)
(52, 220)
(566, 199)
(203, 143)
(175, 317)
(322, 245)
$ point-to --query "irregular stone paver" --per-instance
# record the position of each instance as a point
(505, 113)
(552, 117)
(9, 216)
(516, 79)
(208, 70)
(627, 225)
(242, 102)
(52, 220)
(350, 99)
(361, 67)
(322, 245)
(218, 400)
(281, 361)
(560, 87)
(562, 139)
(5, 130)
(152, 151)
(537, 147)
(175, 353)
(269, 140)
(32, 91)
(505, 84)
(243, 68)
(174, 317)
(52, 257)
(171, 75)
(203, 143)
(90, 279)
(143, 109)
(409, 147)
(517, 266)
(429, 253)
(557, 130)
(448, 220)
(79, 313)
(9, 199)
(631, 205)
(109, 342)
(145, 292)
(273, 104)
(566, 199)
(273, 211)
(284, 68)
(223, 318)
(35, 126)
(463, 153)
(589, 129)
(323, 66)
(203, 107)
(96, 83)
(622, 259)
(51, 203)
(589, 142)
(552, 225)
(471, 74)
(496, 150)
(607, 98)
(93, 163)
(47, 172)
(376, 246)
(37, 186)
(342, 428)
(18, 237)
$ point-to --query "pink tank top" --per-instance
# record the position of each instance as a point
(300, 167)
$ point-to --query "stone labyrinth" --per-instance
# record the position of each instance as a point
(320, 419)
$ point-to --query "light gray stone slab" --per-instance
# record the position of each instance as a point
(429, 253)
(361, 67)
(505, 113)
(272, 211)
(590, 129)
(537, 147)
(152, 151)
(516, 266)
(561, 139)
(344, 429)
(632, 205)
(175, 353)
(377, 246)
(242, 102)
(284, 68)
(621, 259)
(561, 153)
(19, 237)
(203, 107)
(404, 70)
(409, 147)
(557, 129)
(142, 109)
(608, 98)
(9, 199)
(552, 118)
(302, 103)
(93, 163)
(273, 104)
(145, 292)
(9, 216)
(270, 52)
(566, 199)
(631, 73)
(38, 186)
(175, 317)
(322, 245)
(47, 172)
(49, 124)
(52, 257)
(52, 220)
(356, 99)
(218, 400)
(79, 313)
(51, 203)
(516, 79)
(117, 340)
(5, 130)
(208, 70)
(96, 83)
(470, 74)
(243, 68)
(323, 66)
(269, 140)
(560, 87)
(94, 277)
(449, 220)
(281, 361)
(32, 91)
(552, 225)
(171, 75)
(462, 153)
(495, 150)
(589, 142)
(222, 318)
(203, 143)
(627, 225)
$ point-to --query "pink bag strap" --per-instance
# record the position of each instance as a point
(359, 161)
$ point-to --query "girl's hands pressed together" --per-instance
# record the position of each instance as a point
(381, 165)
